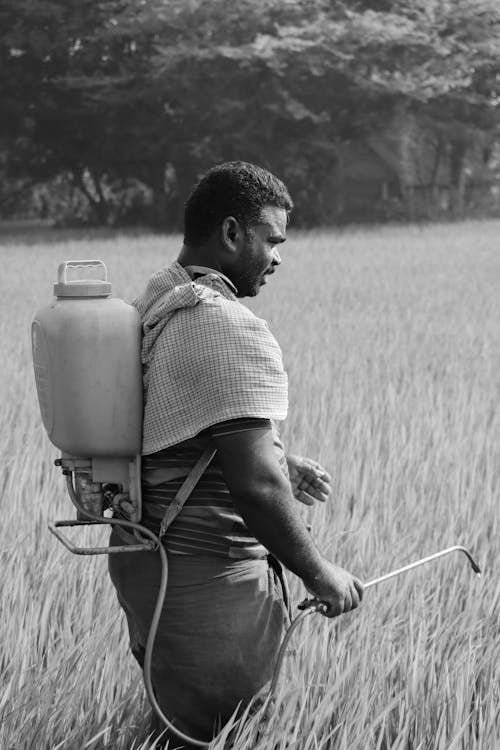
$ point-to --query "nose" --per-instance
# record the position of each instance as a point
(276, 257)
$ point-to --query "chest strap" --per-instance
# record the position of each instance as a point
(186, 489)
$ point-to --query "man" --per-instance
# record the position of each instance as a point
(214, 381)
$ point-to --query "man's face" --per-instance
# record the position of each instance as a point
(259, 256)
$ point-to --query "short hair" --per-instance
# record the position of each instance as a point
(234, 188)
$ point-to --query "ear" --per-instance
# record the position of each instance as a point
(232, 234)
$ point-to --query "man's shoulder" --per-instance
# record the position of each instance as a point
(218, 331)
(220, 313)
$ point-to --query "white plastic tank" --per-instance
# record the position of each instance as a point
(86, 355)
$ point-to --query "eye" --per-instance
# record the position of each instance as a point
(273, 241)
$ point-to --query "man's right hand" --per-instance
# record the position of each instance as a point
(336, 588)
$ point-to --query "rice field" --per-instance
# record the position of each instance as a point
(391, 338)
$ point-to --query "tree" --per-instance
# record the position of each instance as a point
(158, 90)
(47, 126)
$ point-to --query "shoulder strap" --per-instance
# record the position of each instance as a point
(186, 488)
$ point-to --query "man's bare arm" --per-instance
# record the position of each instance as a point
(263, 496)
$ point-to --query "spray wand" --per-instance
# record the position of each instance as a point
(310, 606)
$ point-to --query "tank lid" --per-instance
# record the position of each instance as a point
(82, 278)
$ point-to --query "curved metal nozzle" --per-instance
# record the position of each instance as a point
(457, 548)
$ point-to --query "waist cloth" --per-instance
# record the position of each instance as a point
(220, 630)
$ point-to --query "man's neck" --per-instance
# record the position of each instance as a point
(202, 261)
(198, 256)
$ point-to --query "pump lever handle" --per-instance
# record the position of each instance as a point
(146, 547)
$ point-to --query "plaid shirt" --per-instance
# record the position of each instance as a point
(206, 359)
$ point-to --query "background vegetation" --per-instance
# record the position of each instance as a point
(109, 110)
(392, 345)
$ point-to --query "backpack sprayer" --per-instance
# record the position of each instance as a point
(87, 361)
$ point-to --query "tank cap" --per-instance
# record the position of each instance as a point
(82, 278)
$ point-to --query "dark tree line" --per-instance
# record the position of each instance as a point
(122, 104)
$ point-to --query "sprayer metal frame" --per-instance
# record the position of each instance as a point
(68, 465)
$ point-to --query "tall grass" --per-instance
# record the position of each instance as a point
(391, 338)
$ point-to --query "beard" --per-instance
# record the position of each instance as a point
(252, 275)
(250, 280)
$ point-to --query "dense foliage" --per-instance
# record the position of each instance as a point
(126, 103)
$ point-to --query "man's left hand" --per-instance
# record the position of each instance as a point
(309, 480)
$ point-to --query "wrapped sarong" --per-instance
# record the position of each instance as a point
(222, 624)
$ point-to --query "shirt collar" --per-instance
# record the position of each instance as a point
(195, 271)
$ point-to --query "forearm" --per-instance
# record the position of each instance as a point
(272, 516)
(263, 496)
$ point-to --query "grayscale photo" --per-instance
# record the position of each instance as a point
(250, 313)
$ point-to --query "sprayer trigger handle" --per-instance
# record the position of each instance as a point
(316, 604)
